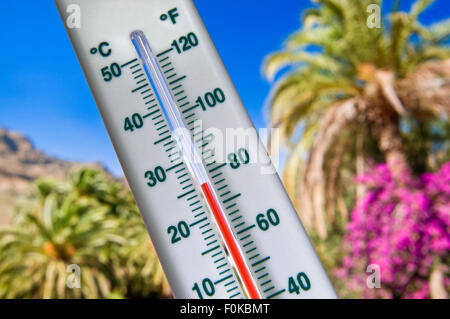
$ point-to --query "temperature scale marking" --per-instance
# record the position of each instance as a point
(186, 178)
(196, 205)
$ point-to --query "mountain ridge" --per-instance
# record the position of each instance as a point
(21, 163)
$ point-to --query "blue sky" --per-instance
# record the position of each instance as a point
(44, 94)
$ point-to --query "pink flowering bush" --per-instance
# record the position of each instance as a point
(402, 226)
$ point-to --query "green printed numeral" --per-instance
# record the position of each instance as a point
(153, 177)
(208, 288)
(270, 218)
(211, 99)
(185, 43)
(110, 72)
(238, 158)
(134, 122)
(179, 231)
(302, 283)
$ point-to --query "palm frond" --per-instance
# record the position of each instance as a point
(275, 62)
(440, 32)
(76, 223)
(418, 7)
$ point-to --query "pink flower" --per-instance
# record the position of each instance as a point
(402, 227)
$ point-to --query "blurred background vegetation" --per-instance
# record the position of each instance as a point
(91, 221)
(356, 91)
(345, 96)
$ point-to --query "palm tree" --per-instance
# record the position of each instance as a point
(346, 92)
(90, 221)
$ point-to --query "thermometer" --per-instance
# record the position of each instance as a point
(216, 211)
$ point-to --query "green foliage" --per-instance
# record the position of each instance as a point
(328, 54)
(91, 221)
(340, 80)
(426, 137)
